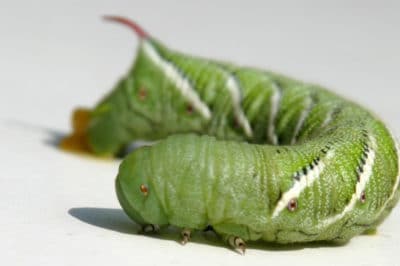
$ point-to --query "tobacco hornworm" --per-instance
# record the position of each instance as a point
(278, 160)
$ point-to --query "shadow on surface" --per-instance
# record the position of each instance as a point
(112, 219)
(53, 137)
(117, 220)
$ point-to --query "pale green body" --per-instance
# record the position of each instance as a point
(234, 186)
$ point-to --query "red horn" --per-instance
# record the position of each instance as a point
(134, 26)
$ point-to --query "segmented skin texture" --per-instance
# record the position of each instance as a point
(257, 155)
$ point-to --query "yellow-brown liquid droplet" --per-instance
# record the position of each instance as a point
(78, 140)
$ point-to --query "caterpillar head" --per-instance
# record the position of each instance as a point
(136, 192)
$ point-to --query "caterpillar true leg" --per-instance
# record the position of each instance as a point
(238, 244)
(185, 236)
(150, 228)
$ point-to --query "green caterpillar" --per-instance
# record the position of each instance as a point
(278, 159)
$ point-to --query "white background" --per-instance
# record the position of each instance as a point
(61, 209)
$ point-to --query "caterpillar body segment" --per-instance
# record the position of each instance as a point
(253, 192)
(280, 160)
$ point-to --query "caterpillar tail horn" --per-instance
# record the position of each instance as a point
(141, 33)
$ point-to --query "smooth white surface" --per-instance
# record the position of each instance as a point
(61, 209)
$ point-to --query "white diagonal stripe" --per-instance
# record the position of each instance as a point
(328, 118)
(396, 183)
(274, 105)
(234, 90)
(299, 185)
(360, 187)
(301, 120)
(181, 83)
